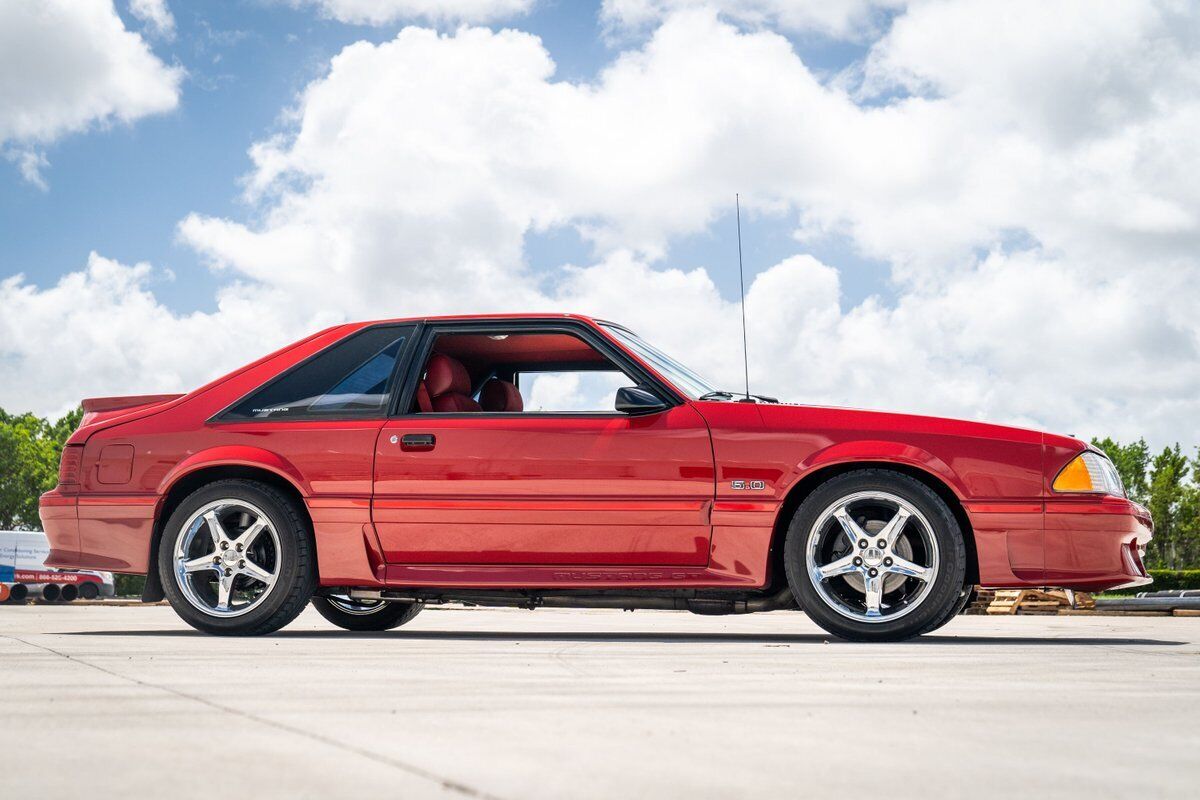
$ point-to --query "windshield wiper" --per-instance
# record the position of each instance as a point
(723, 395)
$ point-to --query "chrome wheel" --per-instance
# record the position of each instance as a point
(227, 558)
(872, 556)
(357, 607)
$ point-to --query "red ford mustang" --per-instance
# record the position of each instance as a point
(562, 461)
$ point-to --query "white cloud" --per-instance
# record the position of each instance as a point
(30, 164)
(101, 331)
(156, 16)
(1045, 264)
(387, 12)
(842, 19)
(68, 64)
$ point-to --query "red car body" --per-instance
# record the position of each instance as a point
(563, 501)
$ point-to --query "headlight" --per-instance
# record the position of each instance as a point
(1089, 472)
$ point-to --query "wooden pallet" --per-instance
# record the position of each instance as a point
(1036, 601)
(983, 599)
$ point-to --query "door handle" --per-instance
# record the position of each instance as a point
(416, 441)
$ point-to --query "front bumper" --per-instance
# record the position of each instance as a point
(1096, 543)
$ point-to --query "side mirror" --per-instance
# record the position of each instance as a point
(636, 400)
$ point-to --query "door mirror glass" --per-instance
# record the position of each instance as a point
(636, 400)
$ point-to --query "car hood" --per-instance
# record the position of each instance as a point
(783, 416)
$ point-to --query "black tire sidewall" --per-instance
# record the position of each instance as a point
(957, 609)
(297, 576)
(391, 615)
(943, 596)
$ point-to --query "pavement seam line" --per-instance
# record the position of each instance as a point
(445, 783)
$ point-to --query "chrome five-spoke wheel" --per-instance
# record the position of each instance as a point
(236, 558)
(355, 614)
(227, 558)
(876, 555)
(359, 608)
(872, 556)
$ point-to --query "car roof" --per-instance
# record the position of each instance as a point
(485, 318)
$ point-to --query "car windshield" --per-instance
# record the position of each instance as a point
(680, 376)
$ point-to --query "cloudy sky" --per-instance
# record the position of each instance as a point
(977, 209)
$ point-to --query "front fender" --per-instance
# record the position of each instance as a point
(883, 451)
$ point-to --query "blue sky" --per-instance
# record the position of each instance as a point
(121, 189)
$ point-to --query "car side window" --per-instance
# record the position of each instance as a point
(570, 390)
(518, 372)
(350, 379)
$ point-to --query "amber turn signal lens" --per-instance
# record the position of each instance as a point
(1089, 472)
(1074, 477)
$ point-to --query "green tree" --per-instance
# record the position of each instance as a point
(30, 448)
(1168, 482)
(1132, 462)
(1188, 519)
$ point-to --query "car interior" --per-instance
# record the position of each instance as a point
(480, 372)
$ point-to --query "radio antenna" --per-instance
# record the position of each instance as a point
(737, 202)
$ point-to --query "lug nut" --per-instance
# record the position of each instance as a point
(228, 572)
(224, 545)
(873, 572)
(857, 561)
(882, 543)
(216, 559)
(241, 565)
(239, 547)
(887, 562)
(862, 543)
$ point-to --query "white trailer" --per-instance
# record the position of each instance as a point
(24, 574)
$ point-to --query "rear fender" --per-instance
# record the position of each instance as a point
(235, 456)
(227, 456)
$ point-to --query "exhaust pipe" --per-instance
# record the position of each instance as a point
(88, 590)
(68, 593)
(51, 592)
(17, 593)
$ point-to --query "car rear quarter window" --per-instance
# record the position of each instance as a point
(350, 379)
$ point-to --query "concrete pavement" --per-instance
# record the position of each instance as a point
(590, 704)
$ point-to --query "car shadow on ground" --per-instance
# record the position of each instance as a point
(657, 638)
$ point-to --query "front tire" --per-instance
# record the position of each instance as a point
(365, 615)
(236, 559)
(874, 555)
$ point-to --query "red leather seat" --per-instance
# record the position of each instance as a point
(448, 386)
(498, 395)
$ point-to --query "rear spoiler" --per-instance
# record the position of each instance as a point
(92, 404)
(94, 408)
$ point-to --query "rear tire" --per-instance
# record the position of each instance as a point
(236, 559)
(874, 555)
(365, 616)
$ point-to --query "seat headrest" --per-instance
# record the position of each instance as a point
(445, 374)
(498, 395)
